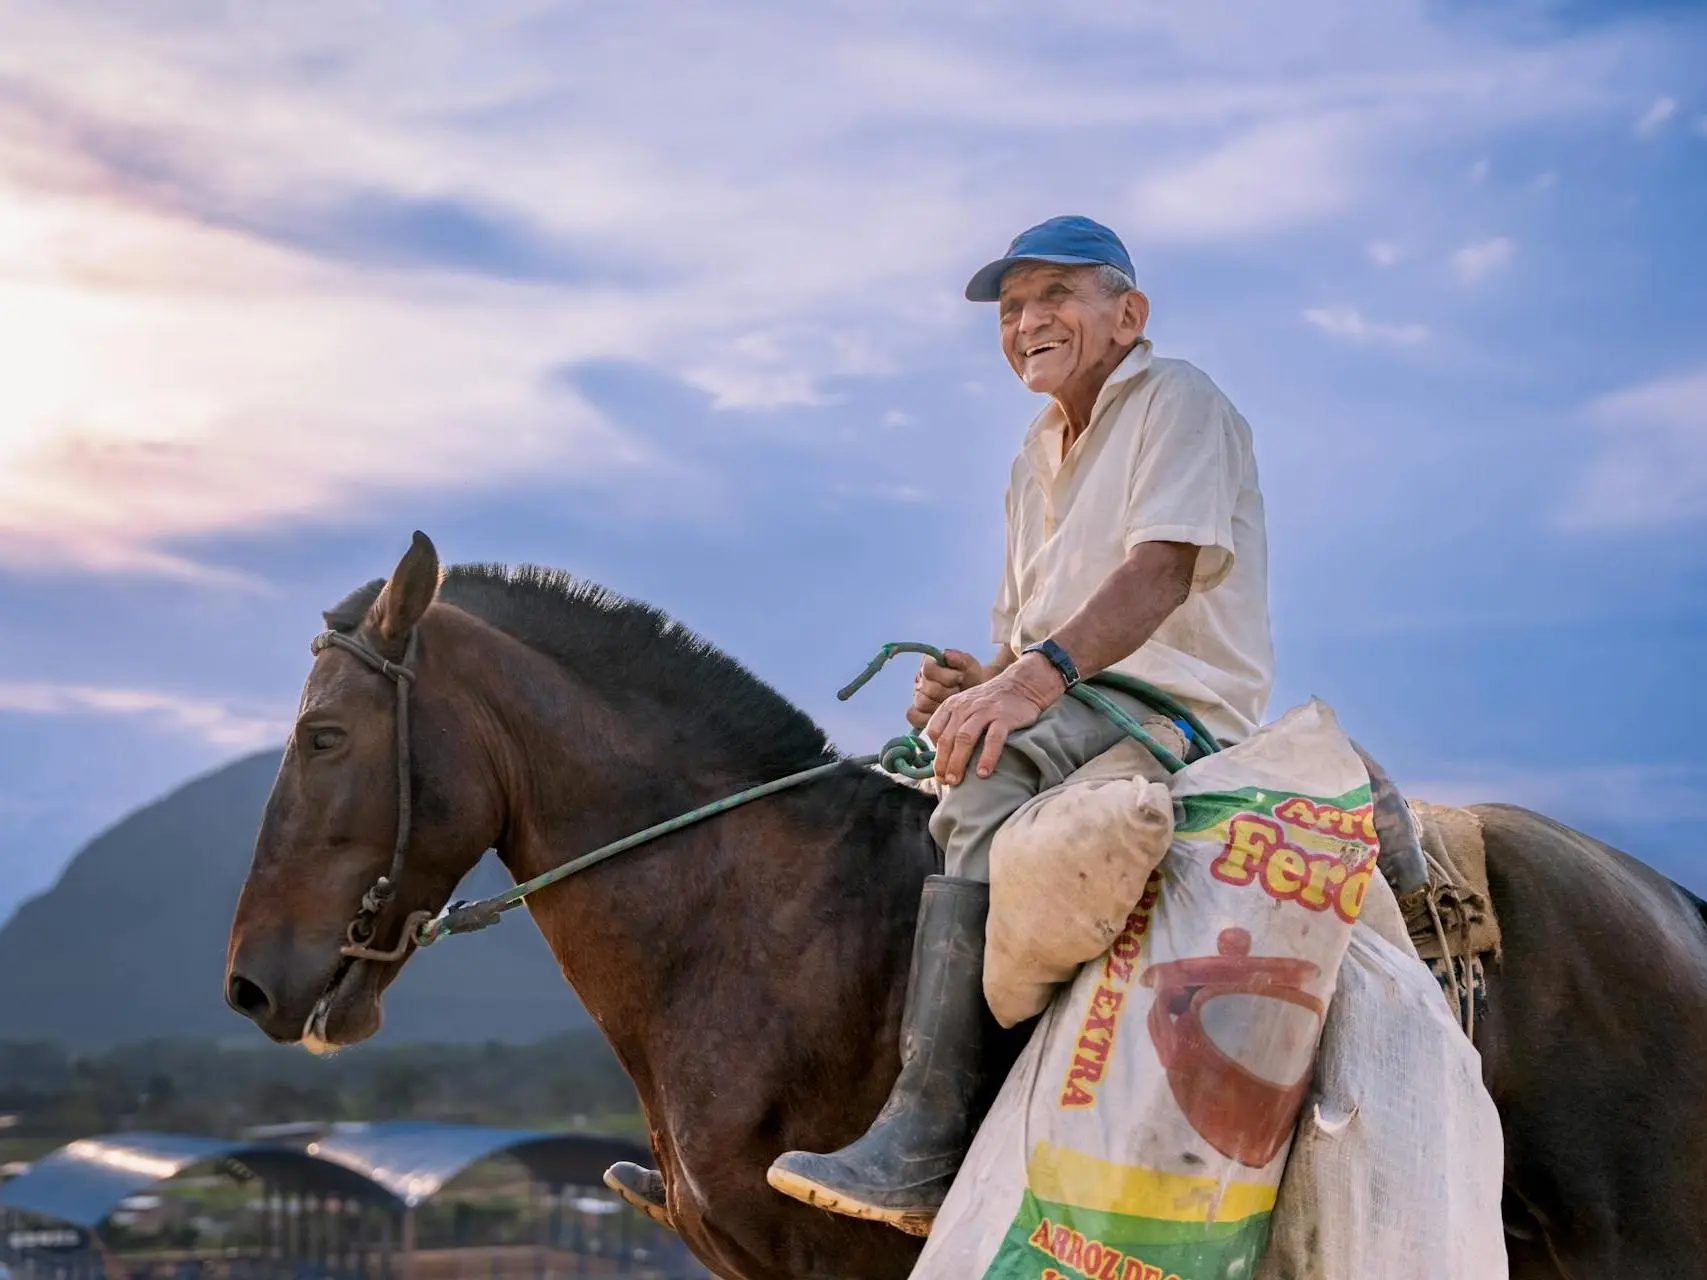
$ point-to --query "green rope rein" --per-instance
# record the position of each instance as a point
(909, 755)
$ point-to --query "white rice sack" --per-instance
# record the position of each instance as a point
(1143, 1133)
(1398, 1166)
(1065, 871)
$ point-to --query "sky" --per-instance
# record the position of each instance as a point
(669, 295)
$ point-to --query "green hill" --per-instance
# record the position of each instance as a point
(130, 943)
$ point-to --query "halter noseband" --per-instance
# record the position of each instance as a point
(376, 899)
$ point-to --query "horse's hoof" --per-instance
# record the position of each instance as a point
(641, 1190)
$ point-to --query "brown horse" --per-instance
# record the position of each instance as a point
(749, 971)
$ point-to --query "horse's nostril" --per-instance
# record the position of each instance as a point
(249, 998)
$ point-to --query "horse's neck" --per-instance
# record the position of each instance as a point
(769, 942)
(677, 903)
(778, 927)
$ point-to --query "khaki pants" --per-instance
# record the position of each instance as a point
(1066, 737)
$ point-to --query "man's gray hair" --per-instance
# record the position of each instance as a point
(1115, 282)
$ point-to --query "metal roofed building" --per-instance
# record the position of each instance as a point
(54, 1211)
(344, 1202)
(84, 1181)
(412, 1159)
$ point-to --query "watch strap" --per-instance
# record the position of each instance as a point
(1058, 658)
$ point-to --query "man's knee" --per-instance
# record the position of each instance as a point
(980, 802)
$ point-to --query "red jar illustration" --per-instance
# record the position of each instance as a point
(1237, 1036)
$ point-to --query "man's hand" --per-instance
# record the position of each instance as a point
(992, 710)
(939, 681)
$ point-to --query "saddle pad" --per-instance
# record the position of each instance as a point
(1458, 884)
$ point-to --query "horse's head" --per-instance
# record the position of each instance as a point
(340, 817)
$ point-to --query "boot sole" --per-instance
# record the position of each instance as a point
(639, 1203)
(914, 1222)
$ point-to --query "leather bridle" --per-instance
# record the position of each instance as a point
(360, 934)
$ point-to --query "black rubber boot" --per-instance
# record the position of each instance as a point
(900, 1171)
(641, 1189)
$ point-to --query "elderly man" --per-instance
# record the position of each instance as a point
(1135, 544)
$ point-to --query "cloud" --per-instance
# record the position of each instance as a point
(773, 369)
(231, 344)
(1478, 172)
(1272, 178)
(1348, 322)
(308, 266)
(1475, 262)
(1580, 794)
(1701, 126)
(216, 723)
(1650, 468)
(903, 493)
(1656, 117)
(167, 380)
(1384, 253)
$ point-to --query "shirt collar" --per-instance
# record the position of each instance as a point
(1043, 439)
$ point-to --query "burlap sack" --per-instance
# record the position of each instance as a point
(1398, 1165)
(1065, 871)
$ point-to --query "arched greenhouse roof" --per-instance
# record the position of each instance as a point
(84, 1181)
(413, 1159)
(396, 1164)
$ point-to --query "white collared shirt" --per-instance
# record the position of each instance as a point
(1166, 458)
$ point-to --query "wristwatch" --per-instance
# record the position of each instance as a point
(1057, 658)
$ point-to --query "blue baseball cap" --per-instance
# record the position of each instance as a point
(1071, 241)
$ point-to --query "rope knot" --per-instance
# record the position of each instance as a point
(909, 755)
(375, 899)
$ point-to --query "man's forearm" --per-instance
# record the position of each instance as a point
(1124, 612)
(1120, 616)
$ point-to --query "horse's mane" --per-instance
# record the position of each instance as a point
(632, 653)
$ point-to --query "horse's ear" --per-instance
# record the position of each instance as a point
(405, 597)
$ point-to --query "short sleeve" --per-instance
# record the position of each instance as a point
(1187, 468)
(1006, 609)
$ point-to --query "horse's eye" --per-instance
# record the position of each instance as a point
(325, 739)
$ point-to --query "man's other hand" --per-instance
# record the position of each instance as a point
(991, 711)
(939, 681)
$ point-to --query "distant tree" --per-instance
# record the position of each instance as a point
(276, 1102)
(198, 1087)
(398, 1090)
(161, 1093)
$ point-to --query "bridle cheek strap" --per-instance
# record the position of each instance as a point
(361, 931)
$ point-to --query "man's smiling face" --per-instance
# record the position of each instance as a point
(1061, 326)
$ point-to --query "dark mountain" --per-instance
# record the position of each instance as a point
(130, 944)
